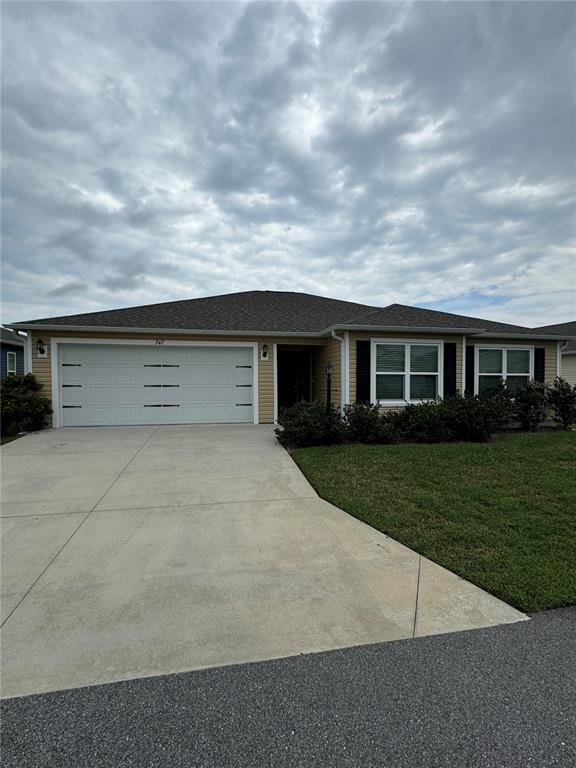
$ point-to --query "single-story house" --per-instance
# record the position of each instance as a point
(242, 357)
(11, 353)
(567, 350)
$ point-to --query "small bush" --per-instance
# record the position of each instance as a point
(306, 424)
(531, 405)
(22, 409)
(499, 406)
(364, 423)
(422, 423)
(562, 398)
(476, 418)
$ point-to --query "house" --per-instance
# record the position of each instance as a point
(567, 350)
(11, 353)
(242, 357)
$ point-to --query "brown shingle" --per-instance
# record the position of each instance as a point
(274, 311)
(249, 311)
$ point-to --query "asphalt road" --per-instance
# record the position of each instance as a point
(501, 697)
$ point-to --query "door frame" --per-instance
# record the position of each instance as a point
(275, 348)
(56, 343)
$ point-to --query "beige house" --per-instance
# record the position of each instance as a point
(242, 357)
(567, 349)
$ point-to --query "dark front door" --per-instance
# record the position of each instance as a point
(294, 381)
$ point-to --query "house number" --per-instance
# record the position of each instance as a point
(159, 341)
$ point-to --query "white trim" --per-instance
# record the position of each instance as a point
(174, 331)
(463, 375)
(449, 331)
(341, 339)
(28, 354)
(406, 373)
(504, 348)
(346, 370)
(558, 359)
(56, 342)
(57, 419)
(10, 354)
(255, 370)
(275, 374)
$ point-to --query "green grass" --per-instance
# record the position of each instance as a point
(500, 514)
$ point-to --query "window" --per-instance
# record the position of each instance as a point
(512, 365)
(11, 363)
(406, 371)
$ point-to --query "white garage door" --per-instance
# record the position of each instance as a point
(119, 384)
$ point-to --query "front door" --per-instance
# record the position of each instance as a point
(294, 378)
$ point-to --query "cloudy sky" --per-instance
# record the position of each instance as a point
(380, 152)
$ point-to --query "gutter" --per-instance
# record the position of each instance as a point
(404, 329)
(299, 334)
(177, 331)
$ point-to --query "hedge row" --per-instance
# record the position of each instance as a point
(468, 418)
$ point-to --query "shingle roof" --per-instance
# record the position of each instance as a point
(568, 329)
(9, 337)
(401, 315)
(247, 311)
(274, 311)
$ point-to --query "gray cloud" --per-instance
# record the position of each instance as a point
(421, 153)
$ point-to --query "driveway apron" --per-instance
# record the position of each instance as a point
(136, 551)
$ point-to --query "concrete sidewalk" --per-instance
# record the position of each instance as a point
(137, 551)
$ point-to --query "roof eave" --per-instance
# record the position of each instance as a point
(404, 329)
(538, 336)
(129, 329)
(443, 329)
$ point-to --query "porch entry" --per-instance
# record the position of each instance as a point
(297, 374)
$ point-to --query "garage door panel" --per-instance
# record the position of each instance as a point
(117, 384)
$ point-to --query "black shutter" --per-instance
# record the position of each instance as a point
(363, 371)
(539, 364)
(449, 369)
(469, 379)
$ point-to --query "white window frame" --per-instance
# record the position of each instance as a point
(11, 370)
(406, 373)
(504, 347)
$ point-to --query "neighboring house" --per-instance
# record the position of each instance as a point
(11, 353)
(241, 357)
(567, 350)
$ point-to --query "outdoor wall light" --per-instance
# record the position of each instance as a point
(264, 351)
(41, 348)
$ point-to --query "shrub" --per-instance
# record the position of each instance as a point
(476, 418)
(22, 408)
(421, 423)
(306, 424)
(499, 406)
(364, 423)
(562, 398)
(531, 404)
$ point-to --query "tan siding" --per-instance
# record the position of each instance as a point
(41, 367)
(329, 353)
(360, 336)
(568, 368)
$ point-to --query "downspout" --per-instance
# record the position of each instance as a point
(560, 345)
(343, 367)
(463, 374)
(28, 353)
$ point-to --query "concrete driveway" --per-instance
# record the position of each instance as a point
(136, 551)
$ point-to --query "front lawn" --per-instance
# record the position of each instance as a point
(500, 514)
